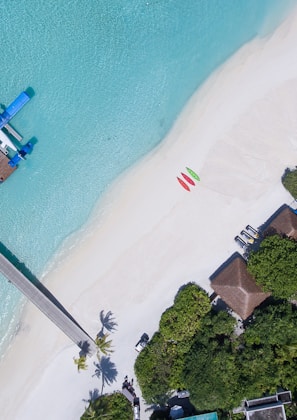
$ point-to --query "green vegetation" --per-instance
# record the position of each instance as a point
(210, 371)
(269, 358)
(289, 181)
(274, 266)
(110, 407)
(81, 362)
(190, 303)
(199, 351)
(223, 369)
(196, 348)
(103, 345)
(159, 366)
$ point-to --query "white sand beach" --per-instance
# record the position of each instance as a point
(239, 133)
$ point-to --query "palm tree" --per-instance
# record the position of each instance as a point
(103, 345)
(90, 413)
(81, 363)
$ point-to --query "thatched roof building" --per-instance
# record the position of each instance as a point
(237, 288)
(284, 222)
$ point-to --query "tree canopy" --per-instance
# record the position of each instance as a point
(217, 366)
(181, 321)
(289, 181)
(274, 266)
(110, 407)
(159, 366)
(223, 369)
(209, 371)
(196, 347)
(267, 359)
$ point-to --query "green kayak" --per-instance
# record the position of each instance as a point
(193, 174)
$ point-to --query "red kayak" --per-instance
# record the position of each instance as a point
(183, 184)
(188, 179)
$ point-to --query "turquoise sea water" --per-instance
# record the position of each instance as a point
(110, 78)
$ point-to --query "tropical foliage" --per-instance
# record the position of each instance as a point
(180, 322)
(112, 406)
(274, 266)
(210, 371)
(289, 181)
(81, 362)
(218, 367)
(159, 365)
(109, 407)
(268, 359)
(103, 345)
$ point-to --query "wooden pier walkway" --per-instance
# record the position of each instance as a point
(5, 169)
(50, 307)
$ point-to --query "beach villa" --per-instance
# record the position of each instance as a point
(234, 284)
(236, 287)
(282, 222)
(265, 408)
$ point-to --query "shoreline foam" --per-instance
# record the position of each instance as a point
(156, 236)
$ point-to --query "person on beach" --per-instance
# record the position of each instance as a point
(129, 386)
(125, 383)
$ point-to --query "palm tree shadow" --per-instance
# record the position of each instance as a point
(107, 322)
(105, 369)
(93, 395)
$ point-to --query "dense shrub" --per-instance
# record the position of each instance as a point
(268, 359)
(112, 407)
(153, 370)
(158, 367)
(210, 372)
(180, 322)
(289, 181)
(274, 266)
(196, 348)
(220, 368)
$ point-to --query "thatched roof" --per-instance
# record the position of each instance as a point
(284, 223)
(237, 288)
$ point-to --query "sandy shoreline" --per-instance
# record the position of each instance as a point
(239, 132)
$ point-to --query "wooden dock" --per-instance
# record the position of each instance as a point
(49, 306)
(5, 169)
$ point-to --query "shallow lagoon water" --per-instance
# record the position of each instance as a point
(109, 79)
